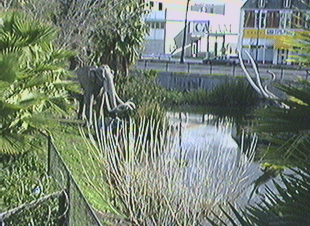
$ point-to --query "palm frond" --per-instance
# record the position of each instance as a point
(285, 206)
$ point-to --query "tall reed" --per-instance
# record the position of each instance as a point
(155, 181)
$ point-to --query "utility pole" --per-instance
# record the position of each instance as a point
(184, 34)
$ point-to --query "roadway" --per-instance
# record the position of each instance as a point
(195, 66)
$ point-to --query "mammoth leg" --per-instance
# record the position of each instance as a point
(81, 107)
(87, 106)
(91, 111)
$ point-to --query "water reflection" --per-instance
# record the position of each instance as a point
(213, 147)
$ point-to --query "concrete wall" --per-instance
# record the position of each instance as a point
(188, 82)
(154, 47)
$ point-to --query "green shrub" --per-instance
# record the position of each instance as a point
(24, 181)
(30, 171)
(141, 88)
(234, 94)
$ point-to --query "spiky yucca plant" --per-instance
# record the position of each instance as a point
(154, 181)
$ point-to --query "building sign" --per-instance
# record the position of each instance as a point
(278, 32)
(200, 27)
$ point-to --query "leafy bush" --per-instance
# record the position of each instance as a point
(141, 88)
(30, 171)
(196, 97)
(235, 93)
(31, 80)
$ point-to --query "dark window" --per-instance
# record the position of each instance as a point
(160, 6)
(285, 19)
(151, 4)
(249, 19)
(287, 3)
(273, 18)
(297, 19)
(261, 3)
(262, 19)
(306, 21)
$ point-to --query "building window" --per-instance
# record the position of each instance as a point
(273, 18)
(297, 19)
(285, 19)
(156, 25)
(261, 3)
(160, 6)
(151, 4)
(306, 21)
(249, 19)
(287, 3)
(262, 19)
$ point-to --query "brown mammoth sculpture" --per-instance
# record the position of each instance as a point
(100, 93)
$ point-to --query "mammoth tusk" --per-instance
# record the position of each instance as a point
(273, 77)
(118, 99)
(259, 81)
(259, 88)
(252, 83)
(272, 95)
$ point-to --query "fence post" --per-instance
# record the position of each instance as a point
(49, 146)
(210, 68)
(234, 69)
(167, 63)
(281, 73)
(145, 64)
(188, 67)
(69, 205)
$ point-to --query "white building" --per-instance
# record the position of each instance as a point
(212, 29)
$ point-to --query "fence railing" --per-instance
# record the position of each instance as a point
(43, 211)
(77, 211)
(281, 72)
(67, 207)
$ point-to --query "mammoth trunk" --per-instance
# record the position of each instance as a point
(112, 100)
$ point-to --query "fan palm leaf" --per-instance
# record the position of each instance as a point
(31, 79)
(285, 206)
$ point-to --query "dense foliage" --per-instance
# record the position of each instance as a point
(100, 32)
(32, 82)
(235, 93)
(33, 95)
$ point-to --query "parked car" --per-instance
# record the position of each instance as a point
(227, 60)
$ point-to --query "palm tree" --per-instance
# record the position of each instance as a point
(287, 130)
(31, 80)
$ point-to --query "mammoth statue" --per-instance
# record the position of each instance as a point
(100, 93)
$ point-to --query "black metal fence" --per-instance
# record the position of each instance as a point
(76, 209)
(43, 211)
(67, 207)
(281, 71)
